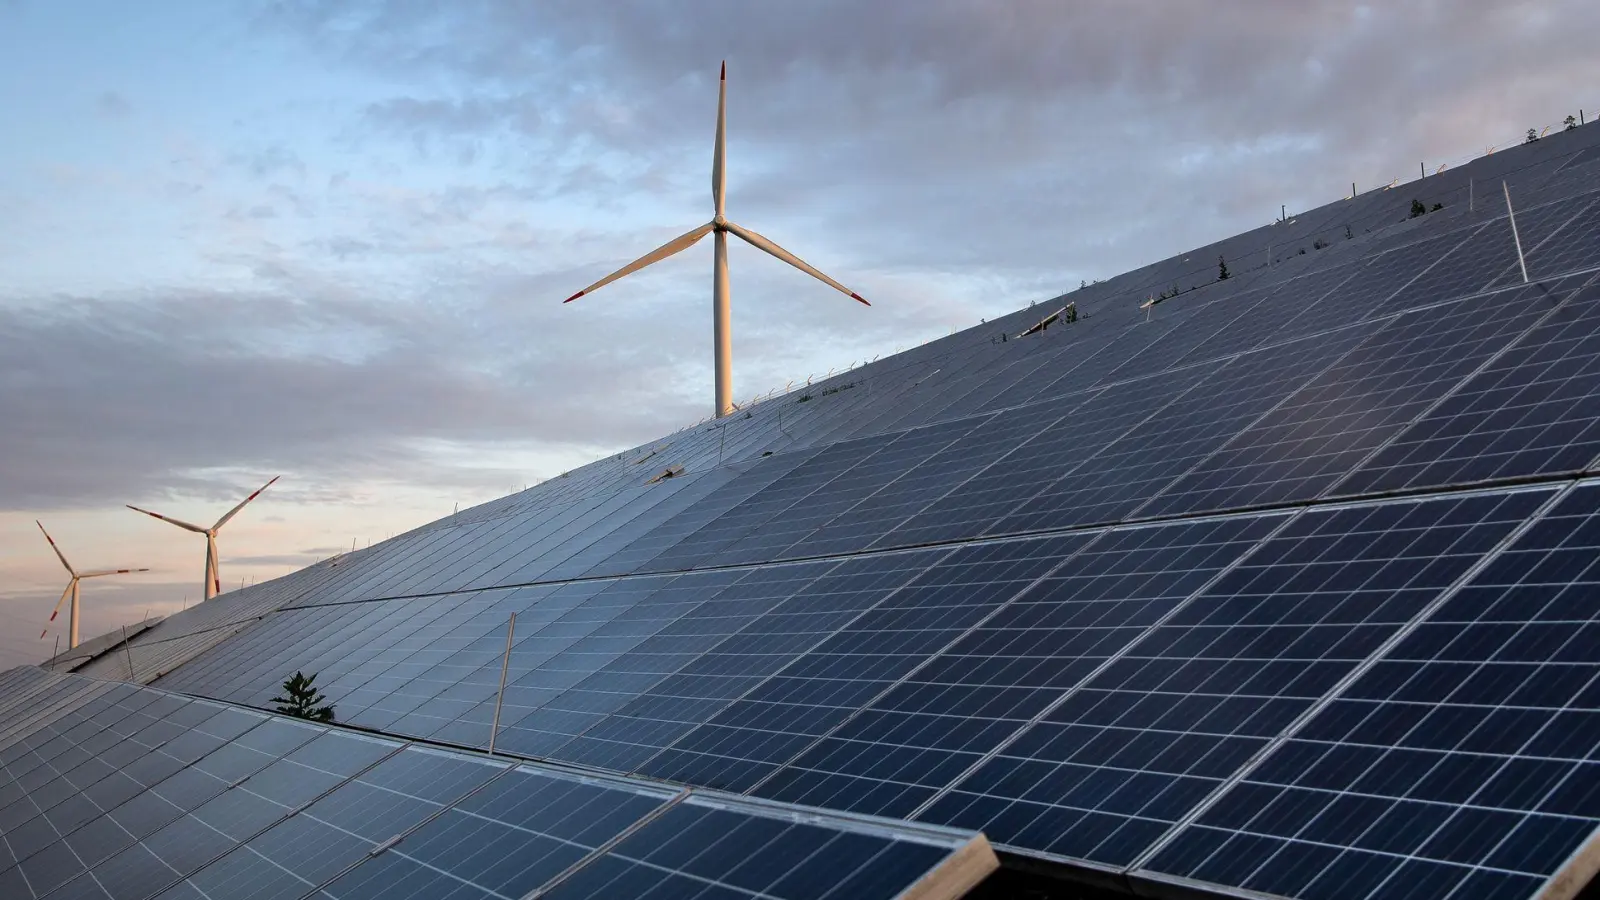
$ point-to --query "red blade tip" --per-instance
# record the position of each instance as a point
(573, 297)
(863, 300)
(724, 70)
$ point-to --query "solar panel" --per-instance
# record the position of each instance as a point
(811, 511)
(777, 498)
(989, 496)
(1333, 423)
(1112, 483)
(752, 630)
(940, 719)
(1532, 410)
(750, 738)
(1109, 766)
(1461, 763)
(336, 832)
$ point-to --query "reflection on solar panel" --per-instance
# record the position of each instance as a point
(1280, 587)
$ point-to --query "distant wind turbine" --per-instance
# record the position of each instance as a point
(72, 589)
(213, 570)
(719, 227)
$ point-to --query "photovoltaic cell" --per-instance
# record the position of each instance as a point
(338, 830)
(1114, 482)
(1534, 410)
(715, 852)
(807, 604)
(973, 696)
(991, 495)
(1329, 426)
(1111, 767)
(759, 509)
(1284, 301)
(505, 842)
(1460, 764)
(903, 454)
(877, 520)
(1365, 291)
(751, 737)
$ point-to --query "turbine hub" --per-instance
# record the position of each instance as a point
(719, 222)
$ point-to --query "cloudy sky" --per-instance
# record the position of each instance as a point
(330, 240)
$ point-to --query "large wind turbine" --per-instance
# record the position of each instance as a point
(719, 227)
(72, 589)
(213, 573)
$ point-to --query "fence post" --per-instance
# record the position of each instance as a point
(511, 629)
(129, 651)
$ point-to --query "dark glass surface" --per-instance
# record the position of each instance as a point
(750, 738)
(1468, 746)
(1330, 426)
(1535, 409)
(698, 851)
(975, 695)
(1105, 772)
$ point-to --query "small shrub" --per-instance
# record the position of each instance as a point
(1437, 207)
(1533, 135)
(1417, 209)
(1302, 251)
(302, 700)
(1571, 123)
(1348, 234)
(1222, 269)
(804, 398)
(1320, 244)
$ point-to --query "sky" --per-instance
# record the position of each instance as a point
(329, 241)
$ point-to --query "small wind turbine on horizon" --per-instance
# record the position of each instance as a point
(72, 589)
(213, 568)
(719, 227)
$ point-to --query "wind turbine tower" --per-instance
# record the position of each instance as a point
(72, 589)
(213, 585)
(719, 228)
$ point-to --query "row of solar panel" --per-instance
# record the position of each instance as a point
(128, 793)
(601, 533)
(1290, 422)
(1079, 695)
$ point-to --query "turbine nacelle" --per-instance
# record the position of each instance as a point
(720, 228)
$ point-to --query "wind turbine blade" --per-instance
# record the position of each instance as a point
(676, 245)
(59, 555)
(719, 156)
(235, 511)
(178, 522)
(110, 572)
(64, 595)
(761, 243)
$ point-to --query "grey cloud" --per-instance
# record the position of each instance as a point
(336, 388)
(1033, 141)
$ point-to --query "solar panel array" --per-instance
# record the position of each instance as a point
(1280, 586)
(128, 792)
